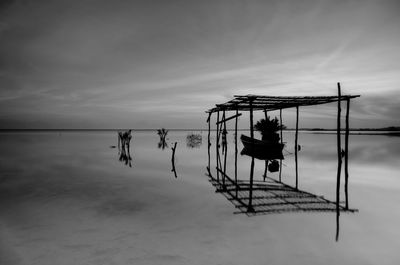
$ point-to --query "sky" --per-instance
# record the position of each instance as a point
(152, 64)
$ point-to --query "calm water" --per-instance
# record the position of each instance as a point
(66, 198)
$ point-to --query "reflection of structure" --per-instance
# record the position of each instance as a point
(193, 140)
(125, 155)
(124, 141)
(273, 196)
(162, 133)
(124, 138)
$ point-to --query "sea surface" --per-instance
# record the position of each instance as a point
(72, 197)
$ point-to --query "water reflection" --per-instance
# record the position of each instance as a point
(125, 155)
(124, 141)
(193, 140)
(267, 196)
(162, 133)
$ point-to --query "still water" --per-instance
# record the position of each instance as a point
(71, 198)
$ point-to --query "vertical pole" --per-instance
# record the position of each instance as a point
(209, 139)
(346, 155)
(224, 147)
(296, 145)
(266, 161)
(217, 145)
(280, 163)
(266, 170)
(339, 156)
(236, 149)
(250, 206)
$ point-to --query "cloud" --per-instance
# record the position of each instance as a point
(97, 59)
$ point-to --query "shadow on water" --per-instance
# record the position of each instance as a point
(267, 196)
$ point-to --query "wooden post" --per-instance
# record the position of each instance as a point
(346, 155)
(236, 150)
(250, 206)
(217, 145)
(266, 161)
(224, 147)
(339, 157)
(173, 160)
(266, 170)
(209, 139)
(280, 162)
(296, 146)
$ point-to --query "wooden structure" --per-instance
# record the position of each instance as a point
(242, 193)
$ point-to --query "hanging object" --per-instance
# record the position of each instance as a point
(273, 166)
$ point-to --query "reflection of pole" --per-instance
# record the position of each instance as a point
(236, 151)
(280, 162)
(250, 206)
(339, 156)
(296, 145)
(346, 155)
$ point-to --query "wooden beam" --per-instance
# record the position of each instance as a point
(217, 144)
(173, 160)
(339, 169)
(209, 139)
(236, 149)
(250, 206)
(296, 146)
(224, 148)
(230, 118)
(346, 155)
(280, 162)
(266, 161)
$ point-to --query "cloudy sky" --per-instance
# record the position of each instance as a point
(148, 64)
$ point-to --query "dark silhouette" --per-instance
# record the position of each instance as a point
(224, 141)
(173, 160)
(162, 133)
(124, 138)
(125, 155)
(194, 140)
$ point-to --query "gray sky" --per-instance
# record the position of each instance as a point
(151, 64)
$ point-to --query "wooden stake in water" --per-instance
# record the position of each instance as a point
(339, 156)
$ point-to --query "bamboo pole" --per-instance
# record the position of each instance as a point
(236, 150)
(173, 160)
(209, 140)
(280, 162)
(266, 161)
(224, 147)
(217, 145)
(230, 118)
(339, 157)
(346, 155)
(296, 145)
(250, 206)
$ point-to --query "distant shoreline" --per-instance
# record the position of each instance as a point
(389, 131)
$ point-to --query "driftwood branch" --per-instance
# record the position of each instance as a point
(173, 160)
